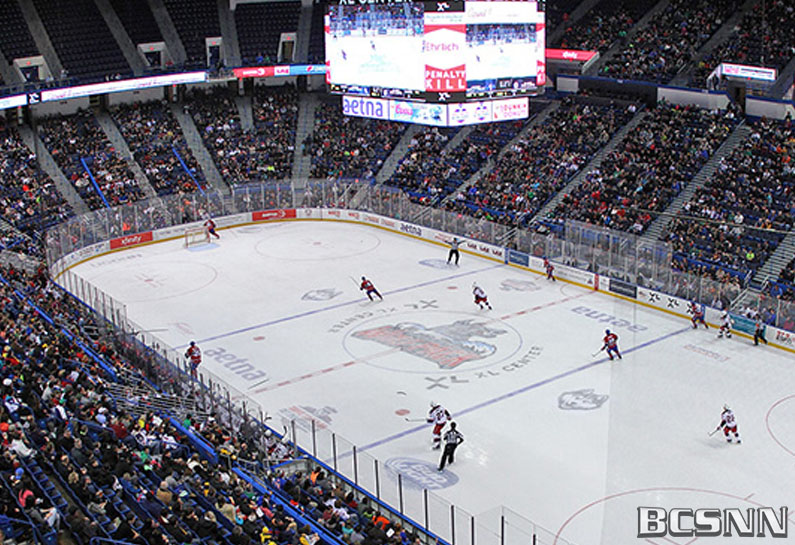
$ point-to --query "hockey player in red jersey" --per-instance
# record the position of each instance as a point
(438, 416)
(369, 289)
(729, 425)
(697, 310)
(480, 296)
(194, 355)
(550, 268)
(209, 225)
(611, 344)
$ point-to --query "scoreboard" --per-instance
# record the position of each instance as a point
(442, 52)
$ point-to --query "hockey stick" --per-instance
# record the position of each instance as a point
(713, 432)
(414, 419)
(355, 282)
(597, 352)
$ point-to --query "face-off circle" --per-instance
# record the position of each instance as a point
(297, 245)
(166, 281)
(780, 423)
(432, 341)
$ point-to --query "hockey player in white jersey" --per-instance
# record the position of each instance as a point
(480, 296)
(729, 425)
(438, 416)
(725, 325)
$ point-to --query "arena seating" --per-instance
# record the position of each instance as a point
(763, 37)
(558, 12)
(787, 282)
(739, 217)
(259, 28)
(419, 172)
(664, 47)
(195, 20)
(349, 147)
(90, 455)
(218, 121)
(84, 44)
(275, 116)
(138, 21)
(543, 161)
(604, 24)
(317, 36)
(647, 169)
(28, 197)
(77, 142)
(264, 153)
(155, 138)
(438, 176)
(15, 39)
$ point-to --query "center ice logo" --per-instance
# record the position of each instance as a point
(447, 345)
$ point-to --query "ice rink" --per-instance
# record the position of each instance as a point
(571, 441)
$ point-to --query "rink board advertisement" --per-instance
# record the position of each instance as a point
(435, 51)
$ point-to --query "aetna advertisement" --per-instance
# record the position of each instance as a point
(440, 115)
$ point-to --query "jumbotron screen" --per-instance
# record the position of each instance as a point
(443, 51)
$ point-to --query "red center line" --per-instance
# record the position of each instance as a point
(323, 371)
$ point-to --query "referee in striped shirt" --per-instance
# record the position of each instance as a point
(452, 439)
(453, 250)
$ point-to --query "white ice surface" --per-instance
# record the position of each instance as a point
(579, 473)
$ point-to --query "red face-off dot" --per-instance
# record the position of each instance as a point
(259, 338)
(402, 412)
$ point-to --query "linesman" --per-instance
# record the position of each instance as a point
(452, 439)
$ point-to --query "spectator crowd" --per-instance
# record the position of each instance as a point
(155, 139)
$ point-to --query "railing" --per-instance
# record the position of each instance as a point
(619, 255)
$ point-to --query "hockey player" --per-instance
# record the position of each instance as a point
(438, 416)
(725, 325)
(550, 268)
(369, 289)
(697, 310)
(209, 226)
(480, 296)
(611, 344)
(194, 356)
(729, 425)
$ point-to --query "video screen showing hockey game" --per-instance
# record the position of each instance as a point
(492, 51)
(436, 51)
(505, 48)
(375, 45)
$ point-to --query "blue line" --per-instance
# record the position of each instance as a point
(521, 390)
(187, 170)
(338, 305)
(94, 182)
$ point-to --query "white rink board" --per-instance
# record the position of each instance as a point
(541, 437)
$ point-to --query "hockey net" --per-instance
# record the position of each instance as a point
(196, 236)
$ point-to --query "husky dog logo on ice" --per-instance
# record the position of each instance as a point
(581, 400)
(321, 295)
(447, 345)
(513, 284)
